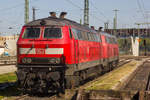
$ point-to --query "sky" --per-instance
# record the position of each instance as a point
(101, 11)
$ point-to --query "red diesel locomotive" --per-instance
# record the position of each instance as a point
(58, 53)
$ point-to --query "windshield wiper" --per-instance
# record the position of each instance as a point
(30, 49)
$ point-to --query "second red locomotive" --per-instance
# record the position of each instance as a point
(58, 53)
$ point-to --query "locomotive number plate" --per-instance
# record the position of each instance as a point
(40, 51)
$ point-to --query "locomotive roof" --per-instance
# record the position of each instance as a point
(52, 21)
(106, 34)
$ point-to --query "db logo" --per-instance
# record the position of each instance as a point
(40, 51)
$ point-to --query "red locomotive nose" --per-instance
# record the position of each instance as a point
(41, 44)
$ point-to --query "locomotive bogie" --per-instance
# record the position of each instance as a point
(41, 81)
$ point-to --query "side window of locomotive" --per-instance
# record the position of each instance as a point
(99, 37)
(92, 36)
(112, 40)
(115, 40)
(88, 34)
(52, 33)
(31, 33)
(79, 35)
(75, 33)
(70, 33)
(107, 39)
(84, 34)
(96, 38)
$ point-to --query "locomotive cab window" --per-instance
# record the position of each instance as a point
(31, 33)
(52, 33)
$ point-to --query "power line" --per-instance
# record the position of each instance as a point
(98, 18)
(101, 13)
(69, 1)
(15, 6)
(146, 18)
(141, 9)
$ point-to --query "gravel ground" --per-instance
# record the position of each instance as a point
(7, 69)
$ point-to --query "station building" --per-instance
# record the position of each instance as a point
(8, 45)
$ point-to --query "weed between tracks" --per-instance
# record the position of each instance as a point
(108, 81)
(9, 77)
(11, 91)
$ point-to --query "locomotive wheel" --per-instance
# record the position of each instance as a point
(110, 66)
(71, 81)
(82, 77)
(62, 83)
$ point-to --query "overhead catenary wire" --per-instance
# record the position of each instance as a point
(75, 5)
(15, 6)
(12, 7)
(99, 12)
(69, 1)
(142, 9)
(146, 18)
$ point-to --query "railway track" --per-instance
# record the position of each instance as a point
(123, 61)
(21, 97)
(140, 80)
(54, 97)
(7, 61)
(137, 87)
(27, 97)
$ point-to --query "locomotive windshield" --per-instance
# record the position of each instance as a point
(52, 33)
(31, 33)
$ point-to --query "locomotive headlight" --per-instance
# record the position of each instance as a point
(57, 60)
(29, 60)
(24, 60)
(54, 60)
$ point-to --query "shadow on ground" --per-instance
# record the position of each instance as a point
(10, 91)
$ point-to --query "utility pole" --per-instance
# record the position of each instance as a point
(86, 12)
(115, 18)
(80, 21)
(33, 16)
(106, 25)
(26, 11)
(115, 21)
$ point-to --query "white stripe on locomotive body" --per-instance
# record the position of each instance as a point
(27, 51)
(47, 51)
(54, 51)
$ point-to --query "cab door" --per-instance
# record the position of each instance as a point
(76, 45)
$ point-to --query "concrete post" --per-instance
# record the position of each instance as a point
(135, 46)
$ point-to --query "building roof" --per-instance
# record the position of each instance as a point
(1, 46)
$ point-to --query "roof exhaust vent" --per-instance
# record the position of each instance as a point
(62, 15)
(92, 27)
(53, 14)
(100, 29)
